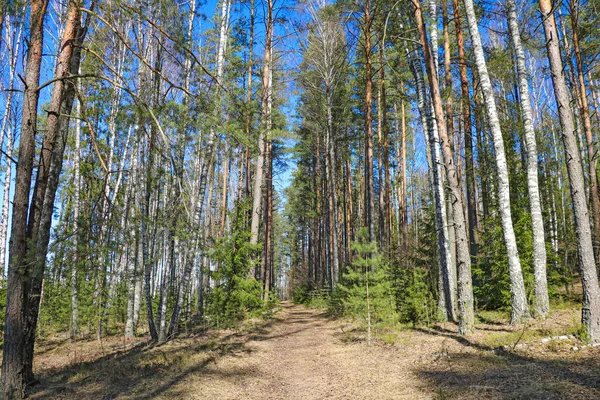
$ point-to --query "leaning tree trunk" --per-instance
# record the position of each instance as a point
(541, 303)
(520, 309)
(590, 313)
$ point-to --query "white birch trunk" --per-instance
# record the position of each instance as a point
(446, 300)
(541, 303)
(76, 215)
(520, 308)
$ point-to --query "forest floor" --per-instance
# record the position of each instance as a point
(302, 354)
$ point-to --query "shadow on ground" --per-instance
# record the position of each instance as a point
(464, 368)
(145, 371)
(485, 372)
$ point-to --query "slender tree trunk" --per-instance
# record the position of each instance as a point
(468, 132)
(520, 309)
(132, 273)
(249, 106)
(587, 126)
(541, 304)
(446, 304)
(6, 198)
(268, 223)
(224, 188)
(331, 188)
(404, 215)
(590, 314)
(76, 215)
(369, 185)
(6, 132)
(385, 181)
(260, 159)
(465, 289)
(146, 260)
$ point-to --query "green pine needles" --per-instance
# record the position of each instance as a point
(236, 296)
(365, 289)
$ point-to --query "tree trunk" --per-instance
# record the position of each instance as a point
(590, 313)
(541, 303)
(14, 323)
(330, 166)
(587, 126)
(369, 185)
(260, 159)
(76, 215)
(468, 132)
(520, 309)
(446, 305)
(465, 289)
(249, 107)
(7, 132)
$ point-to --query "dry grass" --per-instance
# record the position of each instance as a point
(301, 354)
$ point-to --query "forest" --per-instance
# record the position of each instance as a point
(284, 198)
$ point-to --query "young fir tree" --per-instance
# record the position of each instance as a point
(365, 290)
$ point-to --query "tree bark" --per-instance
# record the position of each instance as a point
(541, 303)
(465, 289)
(590, 313)
(260, 159)
(587, 126)
(468, 132)
(76, 215)
(14, 323)
(369, 186)
(520, 308)
(446, 304)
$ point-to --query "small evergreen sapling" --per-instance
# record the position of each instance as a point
(365, 289)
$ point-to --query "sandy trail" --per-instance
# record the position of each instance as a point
(301, 356)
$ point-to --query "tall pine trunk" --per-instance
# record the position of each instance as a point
(260, 159)
(468, 132)
(590, 313)
(446, 304)
(587, 127)
(463, 258)
(369, 185)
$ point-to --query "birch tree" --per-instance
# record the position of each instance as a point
(520, 308)
(541, 303)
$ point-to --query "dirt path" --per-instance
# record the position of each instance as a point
(301, 357)
(301, 354)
